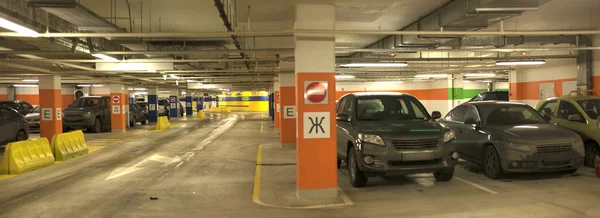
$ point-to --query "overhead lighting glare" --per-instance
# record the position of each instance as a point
(164, 76)
(480, 74)
(486, 81)
(30, 80)
(375, 65)
(18, 28)
(151, 71)
(512, 63)
(105, 57)
(345, 76)
(99, 85)
(83, 85)
(173, 76)
(506, 9)
(164, 91)
(431, 75)
(25, 85)
(390, 82)
(190, 81)
(177, 82)
(466, 81)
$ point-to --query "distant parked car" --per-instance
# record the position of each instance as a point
(143, 105)
(491, 96)
(33, 119)
(580, 114)
(21, 106)
(12, 126)
(136, 114)
(508, 137)
(391, 133)
(163, 106)
(91, 112)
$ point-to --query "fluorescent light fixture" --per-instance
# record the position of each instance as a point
(25, 85)
(99, 85)
(431, 75)
(164, 91)
(466, 81)
(486, 81)
(173, 76)
(30, 80)
(83, 85)
(105, 57)
(140, 93)
(151, 71)
(176, 82)
(18, 28)
(164, 76)
(190, 81)
(375, 65)
(480, 74)
(506, 9)
(390, 82)
(199, 83)
(529, 62)
(345, 76)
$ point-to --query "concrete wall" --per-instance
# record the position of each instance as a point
(246, 101)
(3, 93)
(31, 94)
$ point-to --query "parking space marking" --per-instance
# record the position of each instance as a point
(94, 148)
(587, 174)
(256, 191)
(476, 185)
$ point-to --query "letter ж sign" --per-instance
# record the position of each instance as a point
(316, 125)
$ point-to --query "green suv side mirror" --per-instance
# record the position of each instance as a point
(574, 117)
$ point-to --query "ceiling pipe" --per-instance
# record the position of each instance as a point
(304, 31)
(223, 15)
(150, 60)
(460, 59)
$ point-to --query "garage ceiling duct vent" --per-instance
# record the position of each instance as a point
(458, 15)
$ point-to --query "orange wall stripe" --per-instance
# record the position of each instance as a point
(30, 98)
(67, 100)
(316, 158)
(3, 97)
(422, 94)
(596, 85)
(531, 90)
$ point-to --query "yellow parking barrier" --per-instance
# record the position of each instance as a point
(201, 114)
(162, 123)
(227, 110)
(24, 156)
(69, 145)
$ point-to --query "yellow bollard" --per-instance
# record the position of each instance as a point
(228, 110)
(201, 114)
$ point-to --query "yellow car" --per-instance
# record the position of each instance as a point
(577, 113)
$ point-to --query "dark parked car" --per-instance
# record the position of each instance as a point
(491, 96)
(12, 126)
(92, 113)
(142, 105)
(33, 119)
(512, 137)
(21, 106)
(392, 133)
(136, 114)
(163, 106)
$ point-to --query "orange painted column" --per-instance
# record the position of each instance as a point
(277, 105)
(316, 169)
(50, 106)
(287, 91)
(118, 107)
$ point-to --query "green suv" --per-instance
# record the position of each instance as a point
(577, 113)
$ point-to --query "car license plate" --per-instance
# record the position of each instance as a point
(417, 156)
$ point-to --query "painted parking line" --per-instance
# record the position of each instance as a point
(476, 185)
(256, 191)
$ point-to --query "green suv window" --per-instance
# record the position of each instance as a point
(590, 107)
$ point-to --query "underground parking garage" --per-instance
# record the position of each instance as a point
(266, 108)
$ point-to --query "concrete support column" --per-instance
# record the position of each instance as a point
(287, 92)
(153, 110)
(455, 91)
(277, 105)
(118, 104)
(50, 106)
(316, 170)
(188, 103)
(174, 103)
(513, 87)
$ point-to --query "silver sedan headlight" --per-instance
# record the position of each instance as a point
(373, 139)
(449, 136)
(519, 147)
(578, 146)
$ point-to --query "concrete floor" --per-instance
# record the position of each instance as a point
(206, 168)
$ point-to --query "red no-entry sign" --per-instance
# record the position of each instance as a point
(116, 99)
(315, 92)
